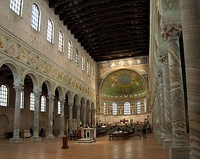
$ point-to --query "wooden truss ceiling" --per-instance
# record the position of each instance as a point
(107, 29)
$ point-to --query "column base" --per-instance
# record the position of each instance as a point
(17, 140)
(179, 152)
(166, 144)
(61, 135)
(35, 138)
(50, 137)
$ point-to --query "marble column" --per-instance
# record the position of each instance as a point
(62, 118)
(180, 147)
(70, 104)
(16, 138)
(158, 112)
(89, 118)
(162, 109)
(154, 114)
(163, 58)
(50, 119)
(78, 106)
(85, 115)
(191, 30)
(36, 130)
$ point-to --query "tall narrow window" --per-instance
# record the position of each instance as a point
(127, 108)
(50, 31)
(22, 100)
(43, 103)
(69, 50)
(32, 101)
(92, 71)
(114, 108)
(138, 106)
(35, 19)
(3, 96)
(76, 57)
(145, 105)
(61, 42)
(83, 63)
(105, 108)
(16, 6)
(59, 107)
(88, 68)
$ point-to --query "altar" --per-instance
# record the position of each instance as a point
(88, 135)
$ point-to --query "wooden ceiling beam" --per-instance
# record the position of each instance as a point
(56, 3)
(105, 23)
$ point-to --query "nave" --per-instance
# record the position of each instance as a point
(133, 148)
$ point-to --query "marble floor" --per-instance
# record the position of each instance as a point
(133, 148)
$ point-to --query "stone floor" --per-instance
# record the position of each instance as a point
(133, 148)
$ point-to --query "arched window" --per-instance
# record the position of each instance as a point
(127, 108)
(92, 71)
(16, 6)
(88, 68)
(138, 106)
(114, 108)
(105, 108)
(83, 63)
(35, 19)
(76, 57)
(4, 96)
(22, 100)
(59, 107)
(69, 50)
(50, 31)
(61, 42)
(43, 103)
(32, 101)
(145, 105)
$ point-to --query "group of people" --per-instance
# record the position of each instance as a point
(41, 132)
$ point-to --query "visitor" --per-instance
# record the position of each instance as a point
(79, 132)
(42, 132)
(144, 131)
(31, 131)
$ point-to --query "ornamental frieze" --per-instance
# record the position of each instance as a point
(21, 52)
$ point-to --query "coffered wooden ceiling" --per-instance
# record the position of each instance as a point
(107, 29)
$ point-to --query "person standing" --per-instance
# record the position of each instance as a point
(144, 131)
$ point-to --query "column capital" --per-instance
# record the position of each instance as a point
(51, 96)
(78, 105)
(70, 103)
(61, 99)
(171, 30)
(18, 87)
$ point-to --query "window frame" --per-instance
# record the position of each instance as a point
(22, 100)
(59, 107)
(32, 101)
(69, 50)
(60, 41)
(35, 18)
(16, 6)
(77, 57)
(43, 104)
(127, 108)
(83, 63)
(114, 108)
(4, 94)
(50, 31)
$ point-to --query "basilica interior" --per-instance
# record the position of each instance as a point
(93, 75)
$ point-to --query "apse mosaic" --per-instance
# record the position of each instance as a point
(123, 84)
